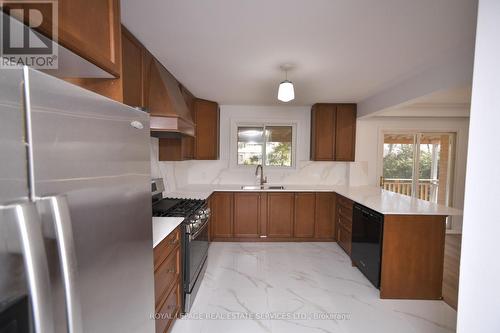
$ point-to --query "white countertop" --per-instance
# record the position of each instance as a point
(163, 226)
(373, 197)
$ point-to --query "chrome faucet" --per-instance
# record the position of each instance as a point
(263, 179)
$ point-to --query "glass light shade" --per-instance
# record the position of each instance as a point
(285, 91)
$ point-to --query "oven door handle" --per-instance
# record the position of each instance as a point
(205, 225)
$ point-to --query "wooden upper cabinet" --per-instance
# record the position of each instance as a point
(280, 207)
(206, 118)
(147, 59)
(91, 29)
(325, 215)
(345, 132)
(133, 70)
(323, 132)
(246, 214)
(305, 209)
(176, 149)
(221, 221)
(333, 132)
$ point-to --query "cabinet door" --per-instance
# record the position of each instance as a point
(305, 208)
(132, 74)
(344, 239)
(323, 132)
(187, 143)
(169, 310)
(246, 215)
(206, 118)
(280, 214)
(147, 60)
(222, 215)
(345, 132)
(325, 216)
(91, 28)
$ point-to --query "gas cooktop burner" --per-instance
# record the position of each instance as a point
(176, 207)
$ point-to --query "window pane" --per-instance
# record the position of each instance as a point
(435, 169)
(250, 143)
(398, 163)
(279, 145)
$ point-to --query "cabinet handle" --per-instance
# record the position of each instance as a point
(171, 270)
(173, 242)
(59, 208)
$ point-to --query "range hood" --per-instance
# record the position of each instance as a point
(170, 115)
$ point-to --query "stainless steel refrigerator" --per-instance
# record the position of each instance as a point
(75, 209)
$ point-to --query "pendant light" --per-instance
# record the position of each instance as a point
(286, 92)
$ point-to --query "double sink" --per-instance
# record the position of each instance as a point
(262, 187)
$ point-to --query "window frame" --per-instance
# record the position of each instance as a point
(234, 144)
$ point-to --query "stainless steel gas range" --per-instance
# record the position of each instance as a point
(195, 241)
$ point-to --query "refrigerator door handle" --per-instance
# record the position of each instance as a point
(64, 234)
(28, 225)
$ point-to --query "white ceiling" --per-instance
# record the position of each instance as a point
(444, 103)
(343, 50)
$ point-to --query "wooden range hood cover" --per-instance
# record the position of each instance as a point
(169, 112)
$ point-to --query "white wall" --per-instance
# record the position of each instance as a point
(224, 171)
(365, 170)
(479, 294)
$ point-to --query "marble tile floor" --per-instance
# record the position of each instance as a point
(300, 287)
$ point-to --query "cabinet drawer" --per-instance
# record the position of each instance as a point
(344, 207)
(344, 201)
(344, 239)
(167, 274)
(168, 310)
(163, 250)
(344, 212)
(347, 224)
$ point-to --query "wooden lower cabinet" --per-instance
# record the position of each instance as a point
(280, 208)
(343, 222)
(169, 310)
(325, 216)
(221, 219)
(344, 238)
(272, 216)
(305, 211)
(246, 215)
(412, 256)
(167, 281)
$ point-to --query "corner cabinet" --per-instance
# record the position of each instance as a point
(333, 132)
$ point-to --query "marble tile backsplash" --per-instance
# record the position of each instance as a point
(180, 174)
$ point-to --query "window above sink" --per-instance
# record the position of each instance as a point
(271, 145)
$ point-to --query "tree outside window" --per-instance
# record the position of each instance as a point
(273, 144)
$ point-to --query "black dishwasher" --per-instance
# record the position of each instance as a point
(367, 232)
